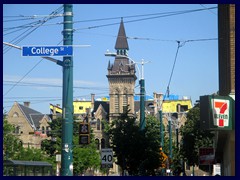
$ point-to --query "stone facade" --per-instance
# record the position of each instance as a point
(30, 126)
(121, 77)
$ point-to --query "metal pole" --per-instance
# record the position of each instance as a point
(142, 104)
(170, 139)
(177, 137)
(161, 130)
(178, 120)
(67, 99)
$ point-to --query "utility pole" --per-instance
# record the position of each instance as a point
(67, 97)
(170, 139)
(142, 98)
(142, 104)
(170, 135)
(161, 129)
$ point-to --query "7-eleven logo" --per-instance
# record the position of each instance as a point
(220, 112)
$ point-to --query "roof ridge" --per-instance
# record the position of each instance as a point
(29, 115)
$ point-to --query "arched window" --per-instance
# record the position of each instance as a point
(97, 144)
(116, 99)
(15, 115)
(48, 130)
(98, 124)
(17, 130)
(102, 143)
(43, 129)
(125, 100)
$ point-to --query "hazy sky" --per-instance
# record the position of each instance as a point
(153, 32)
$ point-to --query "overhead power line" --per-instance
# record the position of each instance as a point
(157, 15)
(167, 14)
(29, 30)
(22, 77)
(49, 85)
(22, 17)
(170, 78)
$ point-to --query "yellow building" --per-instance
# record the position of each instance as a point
(171, 105)
(79, 107)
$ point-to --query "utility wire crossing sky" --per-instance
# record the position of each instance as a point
(180, 41)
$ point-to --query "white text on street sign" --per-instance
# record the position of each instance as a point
(47, 51)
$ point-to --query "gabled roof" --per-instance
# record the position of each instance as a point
(33, 117)
(121, 42)
(105, 105)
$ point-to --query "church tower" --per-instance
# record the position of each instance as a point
(121, 77)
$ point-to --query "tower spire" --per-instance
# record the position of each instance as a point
(121, 44)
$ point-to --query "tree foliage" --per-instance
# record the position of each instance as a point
(136, 151)
(193, 137)
(84, 156)
(11, 144)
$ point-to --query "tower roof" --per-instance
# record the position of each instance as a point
(121, 42)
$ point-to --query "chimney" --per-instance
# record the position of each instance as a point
(158, 100)
(27, 104)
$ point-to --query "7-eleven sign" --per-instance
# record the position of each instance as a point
(221, 112)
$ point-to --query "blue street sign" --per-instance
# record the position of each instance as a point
(47, 51)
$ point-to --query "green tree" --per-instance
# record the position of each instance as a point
(31, 154)
(11, 144)
(193, 137)
(84, 156)
(53, 146)
(136, 151)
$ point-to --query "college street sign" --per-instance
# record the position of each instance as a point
(47, 51)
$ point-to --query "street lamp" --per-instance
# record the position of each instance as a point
(142, 86)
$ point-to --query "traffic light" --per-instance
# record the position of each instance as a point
(84, 133)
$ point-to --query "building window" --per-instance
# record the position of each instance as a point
(98, 124)
(48, 130)
(116, 103)
(15, 115)
(125, 101)
(102, 143)
(43, 129)
(17, 130)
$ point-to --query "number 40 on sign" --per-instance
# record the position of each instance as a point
(107, 158)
